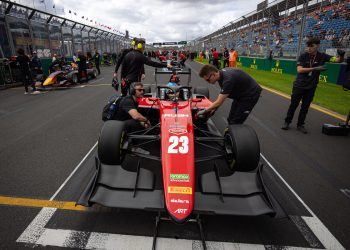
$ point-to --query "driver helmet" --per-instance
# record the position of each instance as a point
(171, 84)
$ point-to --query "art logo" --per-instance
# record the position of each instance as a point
(180, 211)
(179, 190)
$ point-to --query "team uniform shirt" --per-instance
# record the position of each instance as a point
(226, 55)
(215, 55)
(125, 105)
(133, 65)
(237, 84)
(310, 80)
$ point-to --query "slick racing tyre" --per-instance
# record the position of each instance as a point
(201, 91)
(110, 143)
(242, 148)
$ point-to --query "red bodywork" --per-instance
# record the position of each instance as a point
(177, 153)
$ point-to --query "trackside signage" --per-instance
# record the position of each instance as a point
(179, 190)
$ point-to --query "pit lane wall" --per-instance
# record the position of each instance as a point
(334, 74)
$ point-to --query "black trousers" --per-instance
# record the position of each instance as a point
(132, 125)
(97, 65)
(80, 74)
(216, 63)
(226, 63)
(240, 109)
(27, 80)
(305, 96)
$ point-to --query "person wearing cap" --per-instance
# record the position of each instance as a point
(35, 62)
(309, 66)
(133, 65)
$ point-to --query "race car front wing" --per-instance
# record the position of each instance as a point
(242, 194)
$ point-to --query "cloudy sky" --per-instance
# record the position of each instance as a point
(159, 20)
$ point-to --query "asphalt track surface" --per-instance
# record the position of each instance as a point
(48, 144)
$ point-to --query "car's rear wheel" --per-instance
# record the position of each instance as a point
(201, 91)
(110, 143)
(242, 148)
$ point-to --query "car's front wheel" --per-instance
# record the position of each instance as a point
(242, 148)
(111, 141)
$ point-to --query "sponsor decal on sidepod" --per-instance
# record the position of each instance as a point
(179, 190)
(179, 177)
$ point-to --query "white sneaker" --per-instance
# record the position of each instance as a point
(140, 151)
(26, 93)
(36, 92)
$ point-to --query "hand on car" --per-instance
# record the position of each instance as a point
(202, 113)
(146, 124)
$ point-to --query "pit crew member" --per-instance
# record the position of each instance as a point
(235, 84)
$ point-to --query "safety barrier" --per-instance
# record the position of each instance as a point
(283, 66)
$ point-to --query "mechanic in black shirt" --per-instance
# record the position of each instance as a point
(82, 67)
(127, 109)
(23, 63)
(235, 84)
(309, 66)
(133, 65)
(97, 59)
(226, 58)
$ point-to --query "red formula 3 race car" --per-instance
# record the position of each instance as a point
(192, 169)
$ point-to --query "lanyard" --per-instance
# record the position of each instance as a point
(312, 61)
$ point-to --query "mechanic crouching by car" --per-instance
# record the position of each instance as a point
(133, 65)
(235, 84)
(127, 112)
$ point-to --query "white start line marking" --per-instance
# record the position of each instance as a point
(37, 234)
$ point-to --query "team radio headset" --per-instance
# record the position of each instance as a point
(138, 42)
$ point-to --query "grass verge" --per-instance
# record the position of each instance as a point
(328, 95)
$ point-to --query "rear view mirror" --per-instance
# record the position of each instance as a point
(196, 100)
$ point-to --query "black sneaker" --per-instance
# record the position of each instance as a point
(285, 126)
(302, 129)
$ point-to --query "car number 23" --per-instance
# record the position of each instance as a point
(178, 144)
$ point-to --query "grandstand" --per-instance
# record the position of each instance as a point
(282, 27)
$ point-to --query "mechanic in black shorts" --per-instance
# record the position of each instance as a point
(133, 65)
(235, 84)
(309, 66)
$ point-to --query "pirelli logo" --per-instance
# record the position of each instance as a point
(179, 190)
